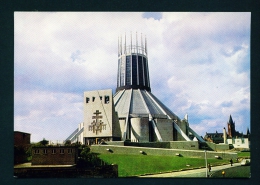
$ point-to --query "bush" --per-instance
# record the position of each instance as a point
(87, 158)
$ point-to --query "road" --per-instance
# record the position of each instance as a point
(191, 173)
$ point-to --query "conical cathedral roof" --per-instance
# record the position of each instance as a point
(140, 103)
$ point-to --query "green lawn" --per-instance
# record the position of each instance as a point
(243, 154)
(132, 165)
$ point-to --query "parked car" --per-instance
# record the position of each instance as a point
(245, 162)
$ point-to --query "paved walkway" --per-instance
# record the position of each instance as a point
(29, 165)
(191, 173)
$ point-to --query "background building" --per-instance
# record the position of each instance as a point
(22, 138)
(54, 155)
(238, 140)
(22, 142)
(214, 137)
(231, 136)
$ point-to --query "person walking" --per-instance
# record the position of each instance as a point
(209, 167)
(231, 162)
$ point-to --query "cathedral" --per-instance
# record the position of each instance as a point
(230, 136)
(133, 113)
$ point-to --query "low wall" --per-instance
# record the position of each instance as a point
(187, 145)
(51, 155)
(218, 147)
(149, 144)
(107, 171)
(112, 149)
(118, 143)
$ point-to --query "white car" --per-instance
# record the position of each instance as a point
(245, 162)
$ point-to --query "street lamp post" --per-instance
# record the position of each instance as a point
(206, 164)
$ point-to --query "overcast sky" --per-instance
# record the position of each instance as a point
(199, 64)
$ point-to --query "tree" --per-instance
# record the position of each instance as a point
(67, 143)
(29, 153)
(44, 142)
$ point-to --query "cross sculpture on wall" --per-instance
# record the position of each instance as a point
(97, 124)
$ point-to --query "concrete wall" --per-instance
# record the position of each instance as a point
(101, 101)
(183, 126)
(139, 129)
(159, 151)
(118, 143)
(148, 144)
(218, 147)
(116, 127)
(106, 171)
(81, 136)
(122, 127)
(187, 145)
(165, 127)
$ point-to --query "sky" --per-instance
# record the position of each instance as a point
(199, 64)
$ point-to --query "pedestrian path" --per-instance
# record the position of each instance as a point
(191, 173)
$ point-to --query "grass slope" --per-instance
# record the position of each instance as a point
(133, 165)
(243, 154)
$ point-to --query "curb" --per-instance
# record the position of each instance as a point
(186, 169)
